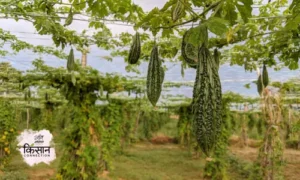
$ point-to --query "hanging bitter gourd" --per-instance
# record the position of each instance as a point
(70, 62)
(207, 102)
(154, 77)
(135, 49)
(259, 85)
(178, 10)
(69, 19)
(265, 76)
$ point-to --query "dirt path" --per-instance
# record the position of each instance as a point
(41, 174)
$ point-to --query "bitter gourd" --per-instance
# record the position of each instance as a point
(177, 11)
(207, 102)
(135, 49)
(70, 62)
(154, 77)
(265, 76)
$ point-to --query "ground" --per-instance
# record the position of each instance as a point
(292, 157)
(147, 161)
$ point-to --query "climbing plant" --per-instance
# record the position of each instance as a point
(8, 131)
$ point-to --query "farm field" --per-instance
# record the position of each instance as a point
(150, 90)
(147, 161)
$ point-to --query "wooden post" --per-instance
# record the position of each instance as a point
(84, 56)
(244, 128)
(83, 59)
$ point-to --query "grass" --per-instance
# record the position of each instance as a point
(141, 162)
(159, 163)
(146, 161)
(169, 129)
(151, 162)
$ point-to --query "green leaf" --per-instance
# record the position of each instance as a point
(73, 78)
(20, 5)
(167, 32)
(108, 58)
(230, 13)
(293, 65)
(197, 3)
(245, 9)
(247, 86)
(197, 37)
(293, 22)
(101, 90)
(168, 5)
(217, 26)
(294, 5)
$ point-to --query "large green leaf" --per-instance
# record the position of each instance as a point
(295, 6)
(217, 25)
(245, 9)
(293, 22)
(198, 35)
(197, 3)
(229, 11)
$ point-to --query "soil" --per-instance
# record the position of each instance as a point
(42, 174)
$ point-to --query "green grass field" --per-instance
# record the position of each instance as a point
(146, 161)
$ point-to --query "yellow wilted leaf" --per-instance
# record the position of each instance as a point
(229, 35)
(91, 129)
(78, 152)
(58, 177)
(105, 123)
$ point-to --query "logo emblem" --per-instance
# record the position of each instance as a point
(35, 147)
